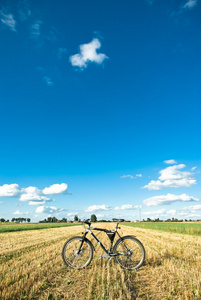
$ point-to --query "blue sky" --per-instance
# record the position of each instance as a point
(100, 108)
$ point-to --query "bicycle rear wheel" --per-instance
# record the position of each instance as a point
(130, 253)
(77, 259)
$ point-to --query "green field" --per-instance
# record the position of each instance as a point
(184, 228)
(4, 227)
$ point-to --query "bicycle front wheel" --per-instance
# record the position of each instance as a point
(74, 258)
(129, 253)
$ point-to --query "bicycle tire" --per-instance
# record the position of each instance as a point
(127, 257)
(70, 256)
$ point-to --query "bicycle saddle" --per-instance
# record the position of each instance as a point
(118, 220)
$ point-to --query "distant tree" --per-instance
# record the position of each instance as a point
(93, 218)
(75, 218)
(2, 220)
(64, 220)
(54, 219)
(148, 220)
(28, 220)
(13, 220)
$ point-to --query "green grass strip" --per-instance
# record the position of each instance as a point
(183, 228)
(35, 226)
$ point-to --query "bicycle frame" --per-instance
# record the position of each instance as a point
(89, 230)
(77, 252)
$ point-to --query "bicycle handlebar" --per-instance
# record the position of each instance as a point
(87, 222)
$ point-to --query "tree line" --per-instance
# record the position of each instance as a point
(18, 220)
(64, 220)
(168, 220)
(93, 219)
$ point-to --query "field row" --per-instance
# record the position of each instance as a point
(32, 267)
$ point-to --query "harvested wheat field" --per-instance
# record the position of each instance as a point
(32, 267)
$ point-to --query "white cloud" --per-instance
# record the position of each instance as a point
(38, 202)
(158, 185)
(17, 212)
(55, 189)
(127, 176)
(48, 210)
(181, 213)
(100, 215)
(190, 4)
(20, 213)
(172, 177)
(33, 195)
(31, 190)
(173, 173)
(194, 168)
(94, 208)
(9, 190)
(48, 81)
(168, 199)
(193, 208)
(72, 214)
(88, 54)
(35, 29)
(131, 176)
(170, 162)
(172, 212)
(126, 207)
(8, 20)
(157, 212)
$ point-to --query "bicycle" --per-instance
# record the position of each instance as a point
(128, 251)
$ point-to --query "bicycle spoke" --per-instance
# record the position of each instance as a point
(72, 257)
(130, 253)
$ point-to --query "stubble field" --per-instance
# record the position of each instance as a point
(31, 267)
